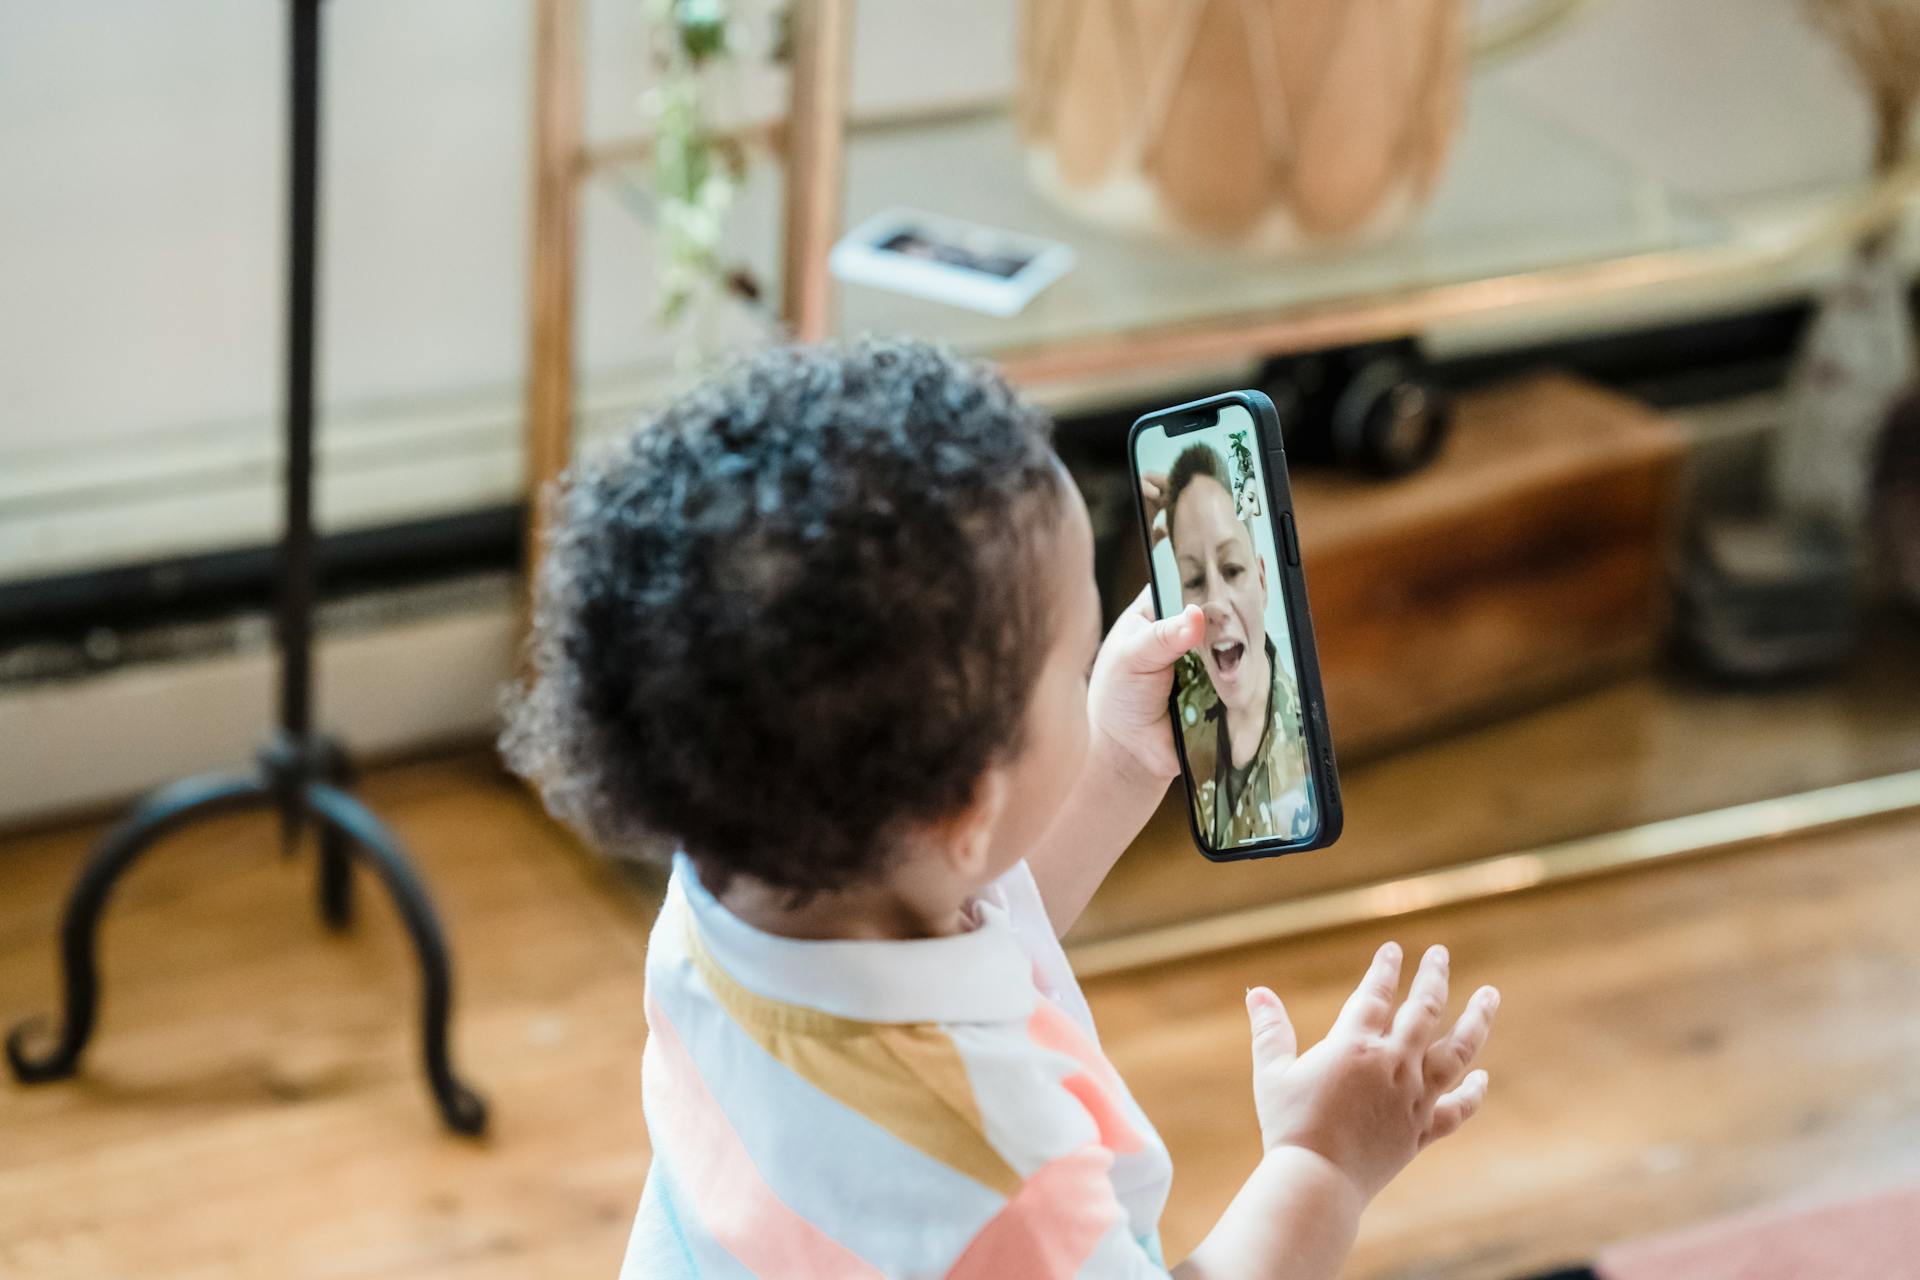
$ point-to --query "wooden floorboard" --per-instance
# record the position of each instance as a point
(1674, 1043)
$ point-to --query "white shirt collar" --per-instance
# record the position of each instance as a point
(982, 975)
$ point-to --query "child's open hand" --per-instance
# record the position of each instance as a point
(1132, 678)
(1383, 1084)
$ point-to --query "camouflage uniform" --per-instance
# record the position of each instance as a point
(1258, 804)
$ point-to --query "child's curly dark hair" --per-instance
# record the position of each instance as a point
(793, 610)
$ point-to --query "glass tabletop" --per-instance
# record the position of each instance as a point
(1521, 194)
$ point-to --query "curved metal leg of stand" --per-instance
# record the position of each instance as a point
(154, 817)
(463, 1109)
(336, 880)
(336, 853)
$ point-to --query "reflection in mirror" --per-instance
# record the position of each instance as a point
(1512, 647)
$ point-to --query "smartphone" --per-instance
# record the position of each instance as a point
(1250, 722)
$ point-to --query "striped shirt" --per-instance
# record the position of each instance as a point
(938, 1107)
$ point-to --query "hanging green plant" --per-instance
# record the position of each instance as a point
(1246, 489)
(696, 172)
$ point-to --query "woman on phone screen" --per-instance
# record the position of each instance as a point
(1241, 722)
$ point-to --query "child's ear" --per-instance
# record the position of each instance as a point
(969, 842)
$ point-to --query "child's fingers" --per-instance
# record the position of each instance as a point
(1418, 1020)
(1449, 1057)
(1158, 646)
(1273, 1037)
(1456, 1108)
(1369, 1009)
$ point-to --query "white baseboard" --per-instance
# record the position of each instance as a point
(84, 744)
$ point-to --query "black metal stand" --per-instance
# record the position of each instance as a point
(301, 774)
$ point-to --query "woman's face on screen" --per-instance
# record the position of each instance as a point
(1220, 572)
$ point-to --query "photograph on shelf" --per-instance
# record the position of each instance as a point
(962, 264)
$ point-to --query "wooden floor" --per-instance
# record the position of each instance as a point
(1674, 1044)
(1636, 750)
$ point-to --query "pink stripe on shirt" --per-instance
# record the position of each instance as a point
(1050, 1229)
(1097, 1086)
(712, 1167)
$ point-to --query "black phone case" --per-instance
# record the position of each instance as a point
(1292, 576)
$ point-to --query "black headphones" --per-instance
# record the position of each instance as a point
(1370, 409)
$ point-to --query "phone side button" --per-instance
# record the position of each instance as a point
(1288, 537)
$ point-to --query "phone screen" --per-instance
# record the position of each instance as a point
(1237, 703)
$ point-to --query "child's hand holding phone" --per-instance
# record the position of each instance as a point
(1132, 676)
(1384, 1083)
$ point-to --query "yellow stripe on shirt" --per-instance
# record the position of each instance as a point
(885, 1071)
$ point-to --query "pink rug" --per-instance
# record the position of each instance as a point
(1877, 1238)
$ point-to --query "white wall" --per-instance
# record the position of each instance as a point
(140, 252)
(1725, 99)
(140, 203)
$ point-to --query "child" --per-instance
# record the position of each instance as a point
(1242, 726)
(829, 624)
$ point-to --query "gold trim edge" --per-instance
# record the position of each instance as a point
(1670, 839)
